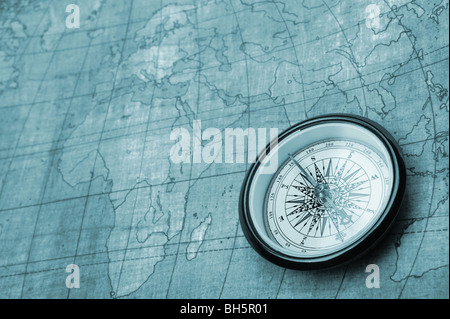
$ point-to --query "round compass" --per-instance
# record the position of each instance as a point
(326, 191)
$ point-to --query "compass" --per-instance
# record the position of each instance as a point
(333, 195)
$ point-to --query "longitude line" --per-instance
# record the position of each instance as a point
(434, 147)
(95, 161)
(140, 167)
(246, 163)
(103, 127)
(47, 174)
(198, 71)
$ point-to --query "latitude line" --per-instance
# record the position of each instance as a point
(167, 244)
(213, 118)
(233, 62)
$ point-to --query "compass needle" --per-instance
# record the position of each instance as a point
(303, 172)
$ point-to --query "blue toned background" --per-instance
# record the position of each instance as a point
(86, 116)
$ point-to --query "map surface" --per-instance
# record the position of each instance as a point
(86, 118)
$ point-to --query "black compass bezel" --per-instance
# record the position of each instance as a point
(369, 240)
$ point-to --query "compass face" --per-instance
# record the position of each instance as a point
(336, 191)
(345, 193)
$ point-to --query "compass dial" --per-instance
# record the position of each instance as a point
(348, 185)
(336, 189)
